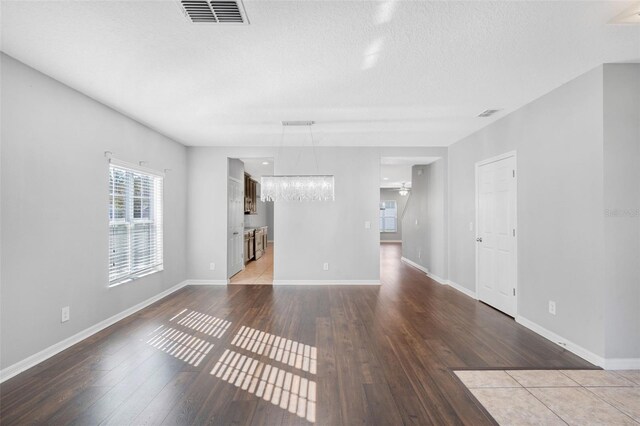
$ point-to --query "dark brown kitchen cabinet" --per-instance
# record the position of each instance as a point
(259, 243)
(249, 245)
(250, 195)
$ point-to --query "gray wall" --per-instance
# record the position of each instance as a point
(54, 210)
(269, 211)
(307, 234)
(622, 209)
(401, 202)
(558, 139)
(424, 223)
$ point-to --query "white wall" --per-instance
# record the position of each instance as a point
(559, 144)
(622, 209)
(424, 242)
(55, 214)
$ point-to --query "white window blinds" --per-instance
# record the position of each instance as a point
(388, 216)
(135, 223)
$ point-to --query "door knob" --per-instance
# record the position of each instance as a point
(479, 239)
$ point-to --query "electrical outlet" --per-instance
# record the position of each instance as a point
(419, 253)
(325, 266)
(367, 225)
(470, 226)
(65, 314)
(552, 307)
(212, 266)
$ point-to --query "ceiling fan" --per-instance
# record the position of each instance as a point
(403, 190)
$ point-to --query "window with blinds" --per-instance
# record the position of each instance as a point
(388, 216)
(135, 223)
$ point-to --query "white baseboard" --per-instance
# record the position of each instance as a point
(326, 282)
(437, 278)
(52, 350)
(441, 280)
(561, 341)
(622, 364)
(415, 265)
(207, 282)
(463, 289)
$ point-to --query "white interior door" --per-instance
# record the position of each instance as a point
(235, 233)
(496, 256)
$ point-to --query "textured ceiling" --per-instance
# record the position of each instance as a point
(387, 73)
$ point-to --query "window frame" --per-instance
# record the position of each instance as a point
(155, 219)
(383, 228)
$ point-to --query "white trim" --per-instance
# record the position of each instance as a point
(207, 282)
(622, 364)
(415, 265)
(436, 278)
(440, 280)
(515, 220)
(462, 289)
(561, 341)
(390, 241)
(326, 282)
(56, 348)
(137, 167)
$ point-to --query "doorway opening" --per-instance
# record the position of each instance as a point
(254, 242)
(412, 210)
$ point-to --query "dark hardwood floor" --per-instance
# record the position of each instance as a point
(327, 355)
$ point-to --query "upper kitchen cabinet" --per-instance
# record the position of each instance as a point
(250, 195)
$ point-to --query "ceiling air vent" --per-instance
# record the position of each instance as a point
(214, 12)
(488, 112)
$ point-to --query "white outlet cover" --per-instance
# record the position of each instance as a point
(367, 225)
(65, 314)
(212, 266)
(416, 221)
(470, 226)
(552, 307)
(325, 266)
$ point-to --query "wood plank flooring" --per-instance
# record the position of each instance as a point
(326, 355)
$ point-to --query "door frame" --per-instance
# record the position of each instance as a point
(241, 183)
(515, 219)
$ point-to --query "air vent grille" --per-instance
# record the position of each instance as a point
(488, 112)
(214, 12)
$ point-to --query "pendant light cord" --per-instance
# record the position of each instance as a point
(313, 147)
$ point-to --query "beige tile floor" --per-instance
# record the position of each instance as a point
(550, 397)
(257, 271)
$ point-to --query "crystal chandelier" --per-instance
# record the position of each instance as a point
(298, 187)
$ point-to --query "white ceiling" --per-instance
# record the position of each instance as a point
(369, 73)
(256, 168)
(395, 171)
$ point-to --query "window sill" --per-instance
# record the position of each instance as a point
(137, 276)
